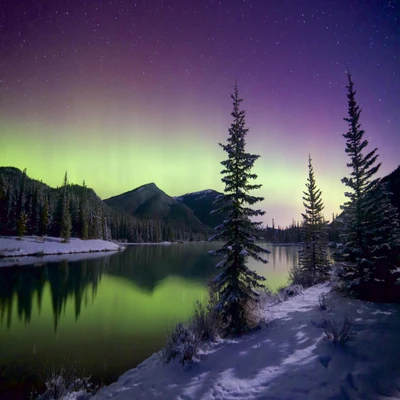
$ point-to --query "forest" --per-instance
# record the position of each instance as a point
(30, 207)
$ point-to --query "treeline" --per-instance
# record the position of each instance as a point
(29, 207)
(293, 233)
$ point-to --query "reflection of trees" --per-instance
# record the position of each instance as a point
(66, 280)
(25, 285)
(147, 266)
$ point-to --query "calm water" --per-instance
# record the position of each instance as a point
(104, 315)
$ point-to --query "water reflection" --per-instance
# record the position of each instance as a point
(146, 266)
(109, 313)
(24, 286)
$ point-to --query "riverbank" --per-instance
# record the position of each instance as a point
(30, 249)
(287, 359)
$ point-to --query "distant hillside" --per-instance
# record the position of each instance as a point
(20, 193)
(145, 214)
(148, 201)
(202, 203)
(393, 181)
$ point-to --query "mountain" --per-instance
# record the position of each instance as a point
(148, 201)
(145, 214)
(202, 203)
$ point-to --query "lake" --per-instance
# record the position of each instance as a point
(104, 316)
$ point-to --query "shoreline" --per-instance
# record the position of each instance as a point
(289, 357)
(16, 251)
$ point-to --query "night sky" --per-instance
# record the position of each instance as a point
(123, 93)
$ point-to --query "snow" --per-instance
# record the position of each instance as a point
(149, 243)
(11, 249)
(38, 261)
(200, 194)
(288, 359)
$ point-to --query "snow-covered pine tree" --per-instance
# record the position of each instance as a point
(313, 261)
(66, 224)
(370, 232)
(236, 285)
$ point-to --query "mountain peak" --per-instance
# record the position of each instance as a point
(151, 185)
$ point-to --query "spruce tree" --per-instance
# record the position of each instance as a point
(313, 260)
(84, 213)
(44, 217)
(20, 206)
(370, 232)
(21, 224)
(236, 285)
(66, 224)
(3, 202)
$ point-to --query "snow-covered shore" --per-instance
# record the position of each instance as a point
(30, 249)
(288, 359)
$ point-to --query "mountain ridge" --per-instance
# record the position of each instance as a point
(149, 201)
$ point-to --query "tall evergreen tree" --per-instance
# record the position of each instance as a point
(236, 284)
(313, 260)
(66, 224)
(83, 213)
(20, 210)
(370, 231)
(44, 217)
(3, 202)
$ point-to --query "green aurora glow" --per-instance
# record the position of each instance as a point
(177, 162)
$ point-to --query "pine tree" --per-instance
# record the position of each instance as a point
(313, 260)
(44, 217)
(21, 224)
(3, 202)
(236, 285)
(370, 231)
(84, 214)
(10, 209)
(66, 225)
(20, 210)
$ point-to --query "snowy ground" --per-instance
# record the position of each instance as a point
(15, 252)
(148, 243)
(286, 360)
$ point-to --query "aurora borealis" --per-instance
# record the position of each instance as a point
(123, 93)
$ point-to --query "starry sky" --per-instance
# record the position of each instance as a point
(120, 93)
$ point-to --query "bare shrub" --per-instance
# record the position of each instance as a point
(266, 298)
(62, 384)
(182, 343)
(299, 277)
(323, 302)
(205, 322)
(336, 336)
(253, 314)
(284, 293)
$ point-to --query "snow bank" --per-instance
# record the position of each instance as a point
(38, 261)
(148, 243)
(30, 245)
(286, 360)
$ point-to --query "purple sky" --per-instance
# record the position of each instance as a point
(122, 93)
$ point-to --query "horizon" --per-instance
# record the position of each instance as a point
(124, 94)
(277, 223)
